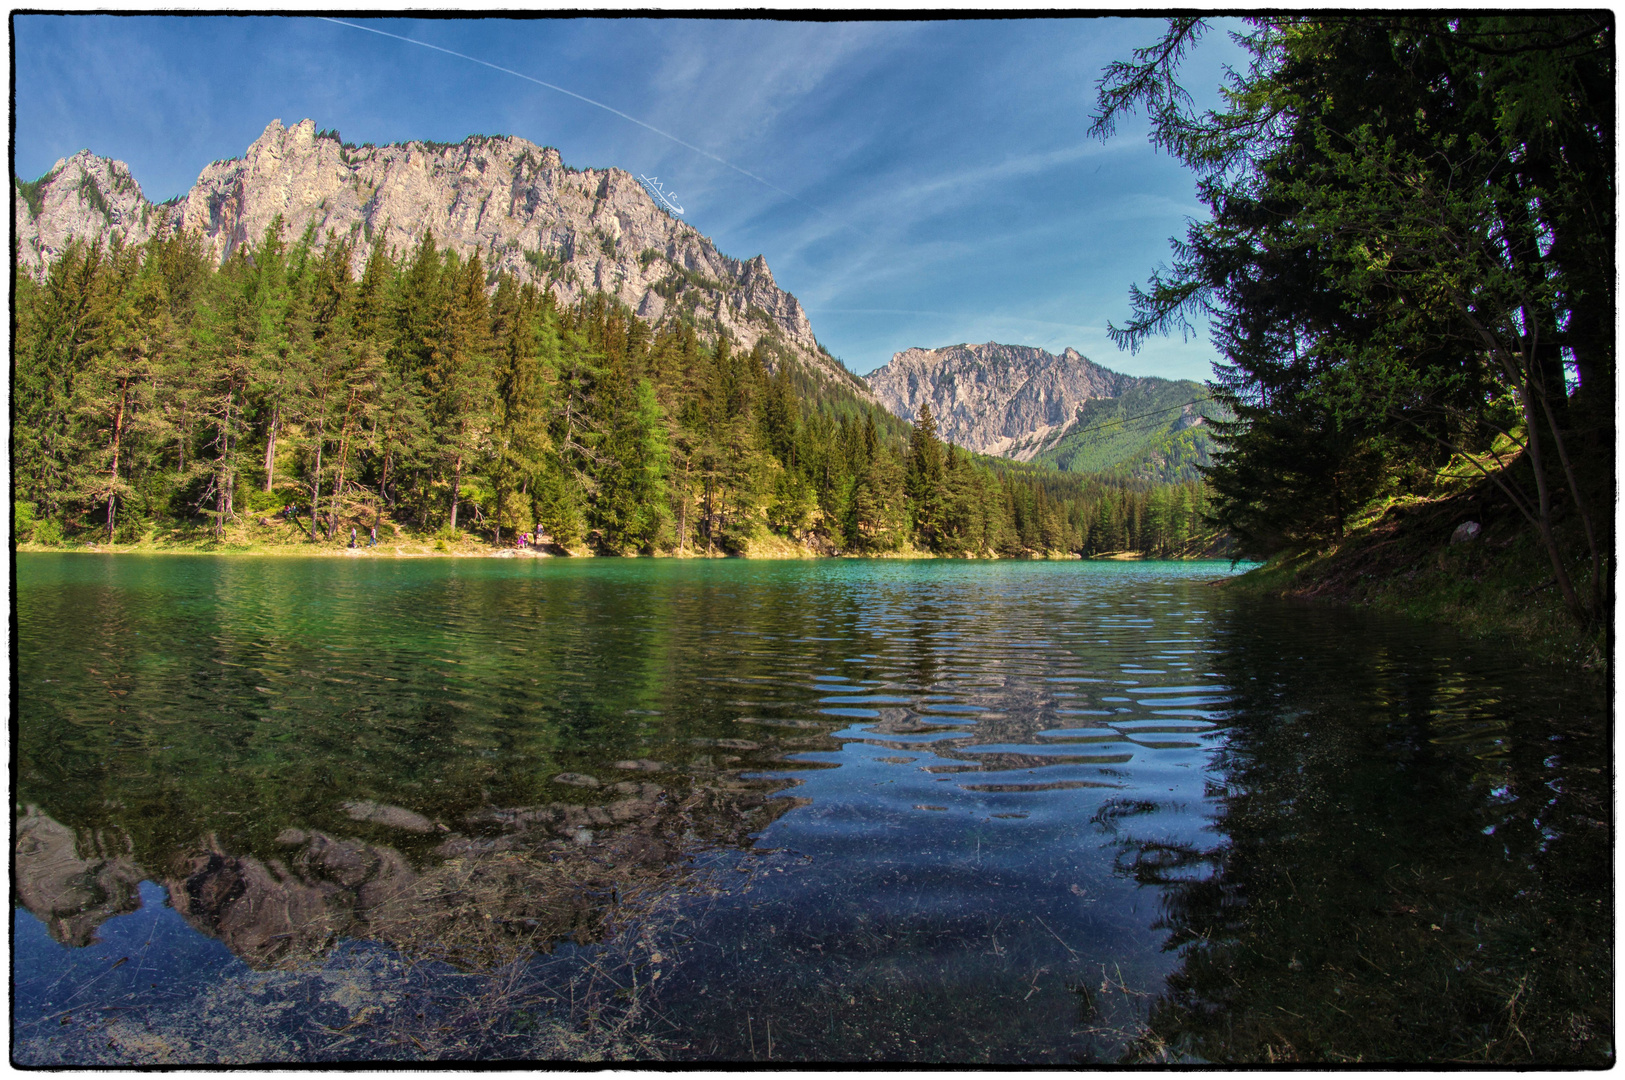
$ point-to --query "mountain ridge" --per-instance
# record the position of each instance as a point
(1028, 404)
(993, 398)
(575, 231)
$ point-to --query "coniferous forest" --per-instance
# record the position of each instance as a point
(282, 395)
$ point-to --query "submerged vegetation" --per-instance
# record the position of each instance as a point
(279, 398)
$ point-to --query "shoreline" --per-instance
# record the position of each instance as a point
(781, 551)
(1427, 579)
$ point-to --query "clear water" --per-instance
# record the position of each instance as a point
(286, 809)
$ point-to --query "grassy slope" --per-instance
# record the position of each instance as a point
(1400, 559)
(1136, 435)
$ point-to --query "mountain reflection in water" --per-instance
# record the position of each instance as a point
(830, 811)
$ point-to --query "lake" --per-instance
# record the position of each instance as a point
(289, 809)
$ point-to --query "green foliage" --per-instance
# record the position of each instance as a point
(1156, 430)
(680, 279)
(258, 501)
(33, 192)
(22, 520)
(1408, 259)
(543, 262)
(91, 192)
(153, 389)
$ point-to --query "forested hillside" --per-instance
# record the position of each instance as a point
(158, 394)
(576, 232)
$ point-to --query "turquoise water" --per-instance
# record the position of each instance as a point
(834, 810)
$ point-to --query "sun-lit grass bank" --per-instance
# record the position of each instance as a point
(1401, 559)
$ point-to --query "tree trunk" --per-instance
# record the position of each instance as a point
(456, 484)
(270, 448)
(344, 459)
(118, 439)
(709, 530)
(224, 477)
(1543, 494)
(682, 510)
(316, 476)
(502, 493)
(383, 486)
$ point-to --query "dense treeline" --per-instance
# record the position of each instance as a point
(1409, 261)
(154, 389)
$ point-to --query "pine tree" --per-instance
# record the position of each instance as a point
(519, 440)
(458, 370)
(114, 391)
(925, 479)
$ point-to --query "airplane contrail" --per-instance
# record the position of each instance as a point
(995, 317)
(579, 97)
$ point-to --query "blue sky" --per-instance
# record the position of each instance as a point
(942, 187)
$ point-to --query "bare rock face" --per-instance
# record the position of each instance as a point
(84, 196)
(514, 203)
(992, 398)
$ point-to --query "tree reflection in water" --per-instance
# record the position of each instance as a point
(1411, 865)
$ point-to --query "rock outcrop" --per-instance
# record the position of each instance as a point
(514, 203)
(84, 196)
(1009, 400)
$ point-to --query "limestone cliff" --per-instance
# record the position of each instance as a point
(513, 202)
(1010, 400)
(83, 195)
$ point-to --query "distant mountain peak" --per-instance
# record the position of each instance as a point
(995, 398)
(1065, 411)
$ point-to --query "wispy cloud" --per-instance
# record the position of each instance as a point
(770, 70)
(571, 93)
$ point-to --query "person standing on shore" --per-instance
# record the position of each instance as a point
(352, 536)
(374, 541)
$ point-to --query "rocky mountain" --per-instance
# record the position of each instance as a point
(1066, 411)
(992, 398)
(577, 231)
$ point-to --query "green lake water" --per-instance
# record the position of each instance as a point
(285, 809)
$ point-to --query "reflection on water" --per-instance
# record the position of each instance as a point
(829, 811)
(1410, 861)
